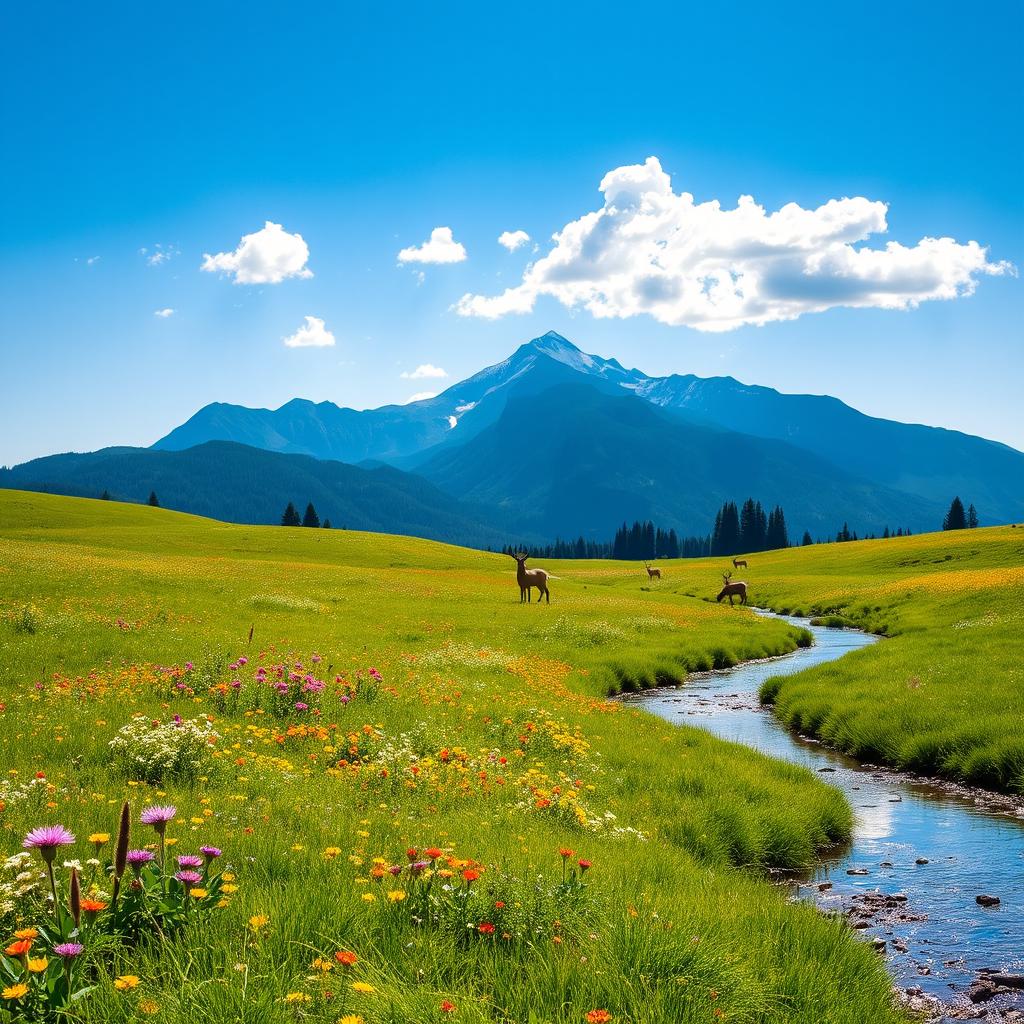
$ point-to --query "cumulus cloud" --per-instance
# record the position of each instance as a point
(423, 372)
(441, 247)
(651, 250)
(513, 239)
(421, 396)
(267, 256)
(163, 313)
(312, 334)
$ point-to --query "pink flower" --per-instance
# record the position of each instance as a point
(189, 877)
(47, 839)
(158, 816)
(69, 950)
(190, 860)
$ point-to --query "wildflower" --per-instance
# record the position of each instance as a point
(396, 895)
(486, 928)
(136, 858)
(228, 888)
(258, 921)
(38, 965)
(198, 894)
(297, 997)
(91, 906)
(331, 852)
(470, 875)
(447, 1006)
(364, 987)
(27, 933)
(189, 860)
(584, 865)
(19, 948)
(598, 1017)
(565, 855)
(368, 897)
(69, 950)
(158, 815)
(210, 852)
(99, 839)
(351, 1018)
(343, 956)
(47, 839)
(149, 1006)
(15, 991)
(125, 982)
(433, 853)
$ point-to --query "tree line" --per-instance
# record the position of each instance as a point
(290, 517)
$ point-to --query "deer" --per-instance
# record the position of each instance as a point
(737, 562)
(530, 578)
(731, 590)
(652, 574)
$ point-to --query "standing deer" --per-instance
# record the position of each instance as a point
(730, 590)
(530, 578)
(652, 574)
(737, 562)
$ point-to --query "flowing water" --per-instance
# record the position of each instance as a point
(939, 938)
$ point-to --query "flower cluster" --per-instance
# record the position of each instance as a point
(152, 751)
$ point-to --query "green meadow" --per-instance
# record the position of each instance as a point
(410, 768)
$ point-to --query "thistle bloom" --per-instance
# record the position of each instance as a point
(47, 839)
(189, 860)
(137, 858)
(69, 950)
(189, 877)
(158, 816)
(210, 852)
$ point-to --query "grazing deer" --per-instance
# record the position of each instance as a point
(737, 562)
(731, 590)
(530, 578)
(652, 574)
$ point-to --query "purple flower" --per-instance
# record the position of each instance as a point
(210, 852)
(395, 869)
(158, 816)
(69, 950)
(189, 877)
(420, 865)
(47, 839)
(190, 860)
(136, 858)
(189, 666)
(301, 707)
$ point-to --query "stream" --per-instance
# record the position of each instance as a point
(938, 938)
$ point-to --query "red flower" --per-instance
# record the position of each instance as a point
(566, 854)
(447, 1006)
(432, 852)
(412, 853)
(486, 928)
(585, 865)
(470, 875)
(598, 1017)
(499, 905)
(343, 956)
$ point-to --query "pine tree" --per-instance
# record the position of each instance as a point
(105, 496)
(776, 535)
(153, 499)
(290, 517)
(327, 524)
(808, 539)
(955, 517)
(311, 518)
(972, 517)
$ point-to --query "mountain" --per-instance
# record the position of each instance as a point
(929, 463)
(575, 459)
(241, 484)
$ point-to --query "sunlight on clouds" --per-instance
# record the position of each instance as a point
(651, 250)
(441, 247)
(312, 334)
(163, 313)
(267, 256)
(512, 240)
(425, 371)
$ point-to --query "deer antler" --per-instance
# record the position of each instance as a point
(726, 576)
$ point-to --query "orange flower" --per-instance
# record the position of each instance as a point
(447, 1006)
(19, 948)
(470, 875)
(566, 854)
(343, 956)
(93, 906)
(26, 933)
(433, 853)
(598, 1017)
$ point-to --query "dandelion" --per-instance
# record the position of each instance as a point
(363, 987)
(368, 897)
(351, 1018)
(396, 895)
(99, 839)
(297, 997)
(15, 991)
(37, 965)
(198, 894)
(258, 922)
(27, 933)
(126, 982)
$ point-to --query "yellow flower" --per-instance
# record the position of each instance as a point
(126, 981)
(38, 965)
(26, 933)
(351, 1018)
(149, 1006)
(229, 889)
(258, 921)
(364, 987)
(99, 838)
(228, 876)
(396, 895)
(297, 997)
(15, 991)
(331, 852)
(369, 897)
(198, 894)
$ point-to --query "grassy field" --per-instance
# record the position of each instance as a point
(409, 767)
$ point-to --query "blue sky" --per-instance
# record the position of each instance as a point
(189, 126)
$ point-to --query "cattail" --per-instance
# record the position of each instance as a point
(251, 628)
(121, 850)
(75, 897)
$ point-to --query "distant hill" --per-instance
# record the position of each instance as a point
(242, 484)
(923, 462)
(575, 459)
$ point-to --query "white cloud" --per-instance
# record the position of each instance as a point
(423, 372)
(159, 254)
(267, 256)
(513, 239)
(312, 334)
(654, 251)
(163, 313)
(93, 259)
(421, 396)
(441, 247)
